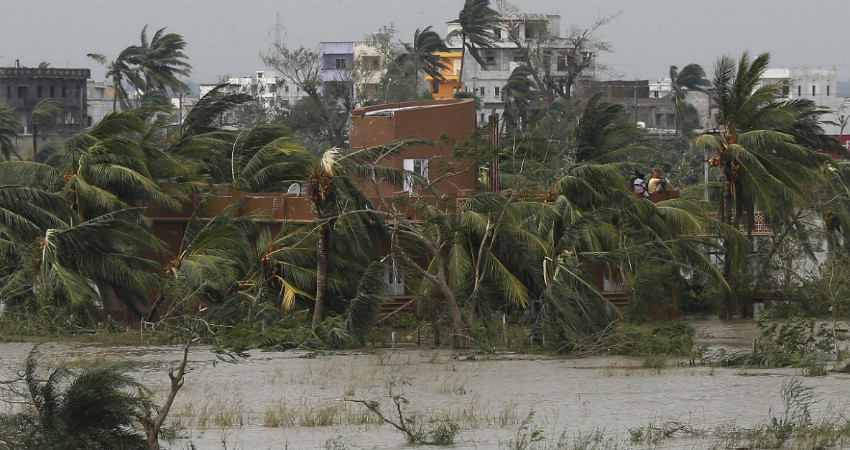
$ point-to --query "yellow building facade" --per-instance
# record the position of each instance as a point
(446, 89)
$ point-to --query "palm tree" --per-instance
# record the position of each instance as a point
(335, 196)
(266, 158)
(760, 161)
(420, 55)
(518, 93)
(8, 131)
(477, 21)
(120, 71)
(45, 112)
(96, 408)
(99, 171)
(691, 77)
(73, 266)
(160, 62)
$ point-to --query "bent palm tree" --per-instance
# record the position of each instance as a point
(160, 62)
(8, 131)
(420, 55)
(691, 77)
(96, 408)
(45, 112)
(477, 21)
(760, 162)
(120, 71)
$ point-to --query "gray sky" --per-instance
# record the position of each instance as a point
(226, 37)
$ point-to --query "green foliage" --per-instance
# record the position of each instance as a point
(527, 435)
(797, 335)
(796, 342)
(96, 408)
(675, 338)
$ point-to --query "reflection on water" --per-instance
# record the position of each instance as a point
(261, 401)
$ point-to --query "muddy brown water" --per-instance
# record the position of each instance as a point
(277, 400)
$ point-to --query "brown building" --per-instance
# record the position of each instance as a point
(22, 88)
(434, 120)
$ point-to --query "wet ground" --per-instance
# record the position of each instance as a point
(296, 400)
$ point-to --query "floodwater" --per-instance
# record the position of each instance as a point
(295, 399)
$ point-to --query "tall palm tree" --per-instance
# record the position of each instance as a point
(120, 71)
(45, 112)
(335, 196)
(96, 408)
(477, 21)
(518, 93)
(8, 131)
(759, 160)
(161, 62)
(420, 55)
(691, 77)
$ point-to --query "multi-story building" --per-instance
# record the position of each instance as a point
(818, 85)
(443, 89)
(355, 66)
(22, 88)
(539, 31)
(267, 86)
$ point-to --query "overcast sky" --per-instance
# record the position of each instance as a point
(226, 37)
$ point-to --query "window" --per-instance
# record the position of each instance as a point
(435, 87)
(813, 90)
(64, 92)
(496, 91)
(418, 167)
(40, 91)
(286, 89)
(482, 118)
(497, 34)
(23, 91)
(394, 281)
(611, 285)
(489, 58)
(529, 32)
(340, 63)
(562, 62)
(518, 57)
(827, 90)
(799, 91)
(482, 91)
(9, 92)
(52, 91)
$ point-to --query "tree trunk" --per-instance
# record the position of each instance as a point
(34, 141)
(728, 298)
(321, 275)
(462, 57)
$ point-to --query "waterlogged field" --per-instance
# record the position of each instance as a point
(296, 399)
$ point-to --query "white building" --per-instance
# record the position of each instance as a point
(818, 85)
(272, 90)
(530, 29)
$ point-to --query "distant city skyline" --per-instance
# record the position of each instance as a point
(226, 38)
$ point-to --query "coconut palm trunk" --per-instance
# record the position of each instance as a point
(321, 275)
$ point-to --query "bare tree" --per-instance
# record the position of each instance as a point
(303, 67)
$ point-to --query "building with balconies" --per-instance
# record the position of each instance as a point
(539, 31)
(22, 88)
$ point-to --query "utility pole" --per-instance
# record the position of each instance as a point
(634, 89)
